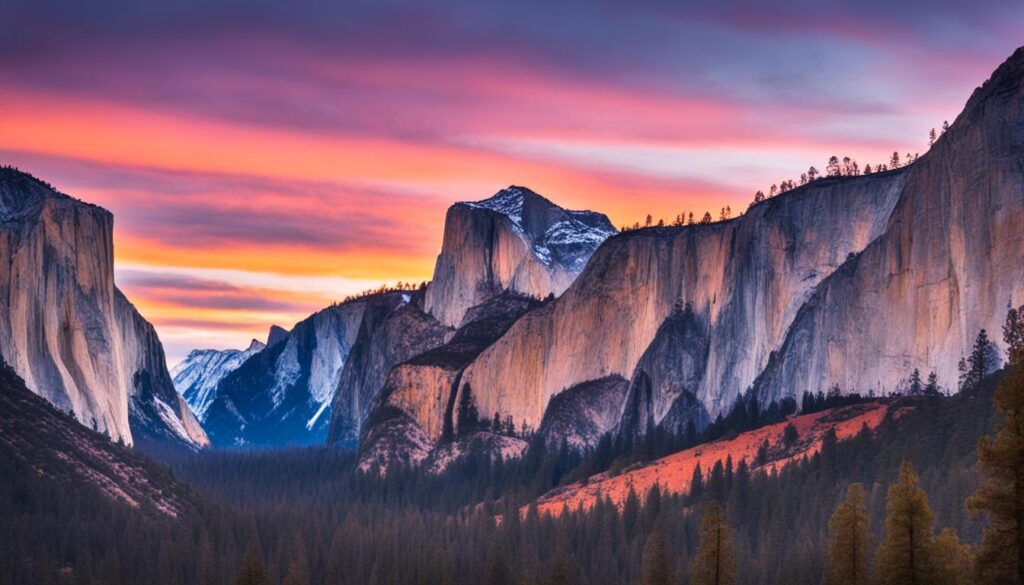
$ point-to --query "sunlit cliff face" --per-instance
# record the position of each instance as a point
(261, 165)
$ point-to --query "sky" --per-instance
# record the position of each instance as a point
(264, 159)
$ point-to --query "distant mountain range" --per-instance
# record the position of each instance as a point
(544, 320)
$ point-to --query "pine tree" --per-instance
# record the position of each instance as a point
(1001, 496)
(932, 387)
(252, 572)
(931, 137)
(656, 567)
(1013, 334)
(562, 572)
(790, 435)
(984, 359)
(469, 416)
(915, 388)
(904, 556)
(714, 563)
(296, 574)
(849, 540)
(953, 559)
(894, 161)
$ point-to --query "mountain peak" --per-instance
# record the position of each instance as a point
(255, 345)
(276, 334)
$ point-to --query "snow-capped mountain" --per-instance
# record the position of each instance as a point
(515, 241)
(282, 394)
(197, 376)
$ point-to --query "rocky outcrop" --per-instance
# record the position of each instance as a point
(744, 281)
(945, 267)
(423, 392)
(515, 241)
(579, 416)
(665, 381)
(386, 338)
(197, 376)
(67, 330)
(282, 395)
(276, 334)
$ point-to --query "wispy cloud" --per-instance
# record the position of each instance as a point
(262, 160)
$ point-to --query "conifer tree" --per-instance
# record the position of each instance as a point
(932, 387)
(469, 416)
(905, 554)
(714, 563)
(915, 387)
(849, 540)
(252, 572)
(656, 567)
(1001, 496)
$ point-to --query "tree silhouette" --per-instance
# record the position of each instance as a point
(469, 416)
(714, 563)
(252, 572)
(907, 553)
(832, 168)
(656, 567)
(849, 540)
(915, 387)
(894, 161)
(1001, 495)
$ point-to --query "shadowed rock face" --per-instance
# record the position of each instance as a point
(423, 391)
(947, 264)
(515, 241)
(197, 376)
(850, 281)
(283, 394)
(386, 338)
(664, 385)
(744, 279)
(579, 416)
(67, 330)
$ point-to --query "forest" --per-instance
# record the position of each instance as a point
(306, 516)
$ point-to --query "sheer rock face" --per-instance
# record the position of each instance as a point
(423, 391)
(946, 266)
(515, 241)
(744, 279)
(386, 338)
(664, 385)
(282, 395)
(579, 416)
(197, 376)
(67, 330)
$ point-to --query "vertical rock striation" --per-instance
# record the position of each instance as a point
(743, 280)
(67, 330)
(197, 376)
(946, 266)
(515, 241)
(282, 395)
(386, 338)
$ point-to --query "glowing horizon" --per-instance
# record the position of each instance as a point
(262, 163)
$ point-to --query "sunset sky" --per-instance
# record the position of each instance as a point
(265, 159)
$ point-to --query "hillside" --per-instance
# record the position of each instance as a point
(46, 446)
(673, 474)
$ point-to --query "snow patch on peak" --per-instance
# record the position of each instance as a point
(508, 202)
(197, 376)
(564, 237)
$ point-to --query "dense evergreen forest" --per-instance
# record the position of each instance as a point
(303, 516)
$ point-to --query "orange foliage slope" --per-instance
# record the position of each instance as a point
(674, 472)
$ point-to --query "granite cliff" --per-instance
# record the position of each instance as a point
(68, 331)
